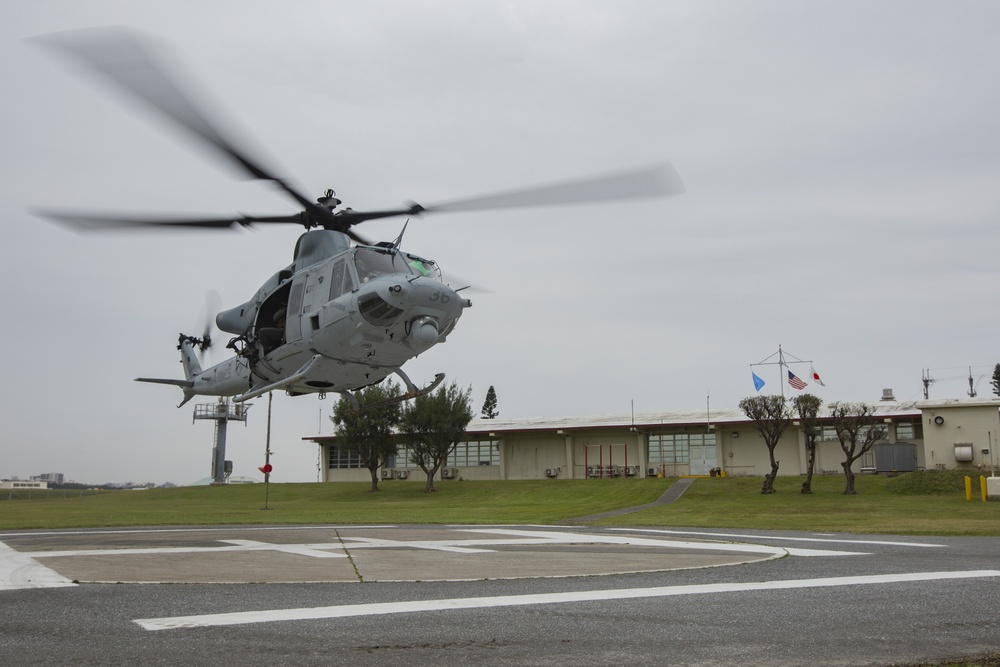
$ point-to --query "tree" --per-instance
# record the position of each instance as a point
(807, 408)
(770, 416)
(858, 429)
(490, 404)
(432, 425)
(996, 380)
(369, 431)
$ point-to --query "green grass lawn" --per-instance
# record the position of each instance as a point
(929, 503)
(923, 503)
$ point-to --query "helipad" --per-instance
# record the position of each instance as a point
(355, 553)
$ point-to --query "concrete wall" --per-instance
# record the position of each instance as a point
(527, 457)
(960, 425)
(750, 457)
(475, 473)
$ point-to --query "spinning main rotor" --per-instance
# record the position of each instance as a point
(131, 64)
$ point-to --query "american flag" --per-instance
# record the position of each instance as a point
(795, 381)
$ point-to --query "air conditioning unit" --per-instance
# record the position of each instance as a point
(387, 473)
(449, 473)
(552, 472)
(402, 474)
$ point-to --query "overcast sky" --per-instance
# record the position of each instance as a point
(841, 161)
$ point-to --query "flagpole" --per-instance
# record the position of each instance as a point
(784, 371)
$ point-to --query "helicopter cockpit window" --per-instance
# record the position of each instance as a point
(374, 263)
(424, 267)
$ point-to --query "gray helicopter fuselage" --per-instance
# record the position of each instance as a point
(339, 318)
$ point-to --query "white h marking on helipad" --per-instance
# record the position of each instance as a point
(413, 606)
(570, 538)
(18, 570)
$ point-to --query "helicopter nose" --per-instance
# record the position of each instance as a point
(432, 295)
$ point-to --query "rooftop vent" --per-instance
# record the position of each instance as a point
(887, 395)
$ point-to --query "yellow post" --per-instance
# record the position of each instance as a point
(968, 488)
(982, 487)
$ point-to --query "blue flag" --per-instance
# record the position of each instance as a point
(757, 382)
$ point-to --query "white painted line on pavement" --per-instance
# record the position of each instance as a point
(414, 606)
(299, 549)
(778, 537)
(584, 538)
(19, 571)
(451, 546)
(203, 529)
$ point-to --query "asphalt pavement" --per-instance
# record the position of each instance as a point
(483, 595)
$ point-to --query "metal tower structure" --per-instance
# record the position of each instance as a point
(221, 413)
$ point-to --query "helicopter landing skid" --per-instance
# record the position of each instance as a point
(281, 384)
(412, 391)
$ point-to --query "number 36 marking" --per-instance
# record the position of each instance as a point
(441, 296)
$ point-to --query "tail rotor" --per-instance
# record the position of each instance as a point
(206, 319)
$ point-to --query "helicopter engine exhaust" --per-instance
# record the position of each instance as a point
(424, 333)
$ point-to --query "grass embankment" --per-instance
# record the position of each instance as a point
(917, 503)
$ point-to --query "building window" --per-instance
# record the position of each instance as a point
(909, 431)
(676, 447)
(827, 433)
(830, 433)
(344, 457)
(401, 459)
(475, 453)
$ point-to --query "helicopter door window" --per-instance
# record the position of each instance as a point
(292, 330)
(341, 281)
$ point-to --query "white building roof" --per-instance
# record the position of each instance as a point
(649, 420)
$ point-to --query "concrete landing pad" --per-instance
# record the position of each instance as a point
(361, 553)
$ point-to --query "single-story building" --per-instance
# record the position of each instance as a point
(929, 434)
(23, 484)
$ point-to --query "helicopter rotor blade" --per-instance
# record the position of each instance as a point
(659, 181)
(130, 62)
(93, 222)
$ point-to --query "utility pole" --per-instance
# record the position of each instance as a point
(928, 381)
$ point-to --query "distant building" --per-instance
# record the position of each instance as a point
(938, 434)
(23, 484)
(54, 478)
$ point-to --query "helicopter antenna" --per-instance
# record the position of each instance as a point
(399, 239)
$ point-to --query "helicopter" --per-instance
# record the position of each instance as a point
(346, 313)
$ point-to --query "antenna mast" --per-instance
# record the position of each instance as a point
(221, 413)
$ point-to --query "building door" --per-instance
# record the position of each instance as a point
(702, 459)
